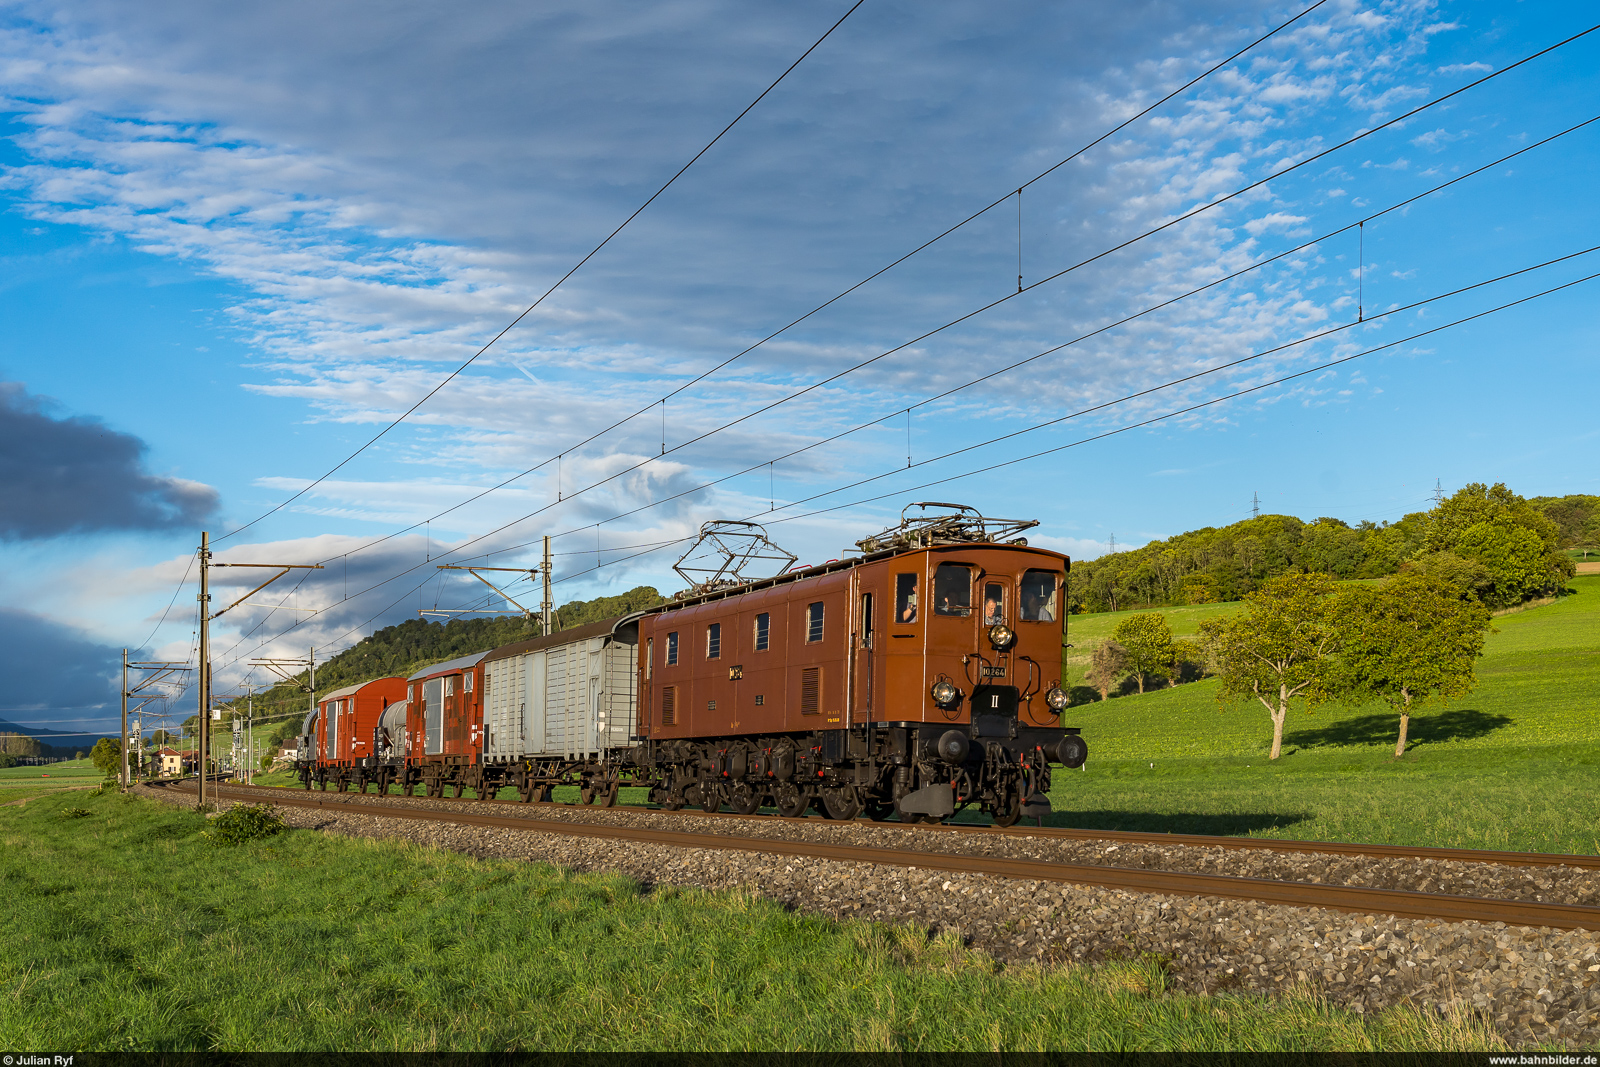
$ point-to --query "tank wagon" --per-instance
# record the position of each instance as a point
(919, 678)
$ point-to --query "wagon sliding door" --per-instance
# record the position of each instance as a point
(433, 716)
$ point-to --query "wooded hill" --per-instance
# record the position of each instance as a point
(1504, 549)
(415, 643)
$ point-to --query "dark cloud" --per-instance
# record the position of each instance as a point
(77, 475)
(54, 669)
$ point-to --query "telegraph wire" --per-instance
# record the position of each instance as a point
(592, 253)
(662, 401)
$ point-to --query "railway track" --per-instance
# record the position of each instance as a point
(1129, 837)
(1353, 899)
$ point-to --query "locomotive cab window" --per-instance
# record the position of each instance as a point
(714, 641)
(672, 649)
(1039, 596)
(952, 589)
(813, 622)
(905, 599)
(763, 631)
(994, 603)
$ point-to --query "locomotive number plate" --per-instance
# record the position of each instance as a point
(994, 672)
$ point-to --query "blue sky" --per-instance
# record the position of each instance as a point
(237, 243)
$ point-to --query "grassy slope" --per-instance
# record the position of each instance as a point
(126, 930)
(1511, 766)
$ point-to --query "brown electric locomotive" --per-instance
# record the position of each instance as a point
(920, 678)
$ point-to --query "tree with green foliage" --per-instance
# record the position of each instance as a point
(107, 755)
(1278, 648)
(1408, 642)
(1516, 544)
(1147, 639)
(162, 737)
(8, 760)
(1107, 663)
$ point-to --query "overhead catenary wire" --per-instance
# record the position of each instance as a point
(662, 401)
(1110, 433)
(1478, 170)
(1209, 206)
(1089, 334)
(547, 293)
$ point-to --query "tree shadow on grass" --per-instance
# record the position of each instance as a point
(1228, 824)
(1436, 728)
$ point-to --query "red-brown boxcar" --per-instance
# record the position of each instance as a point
(444, 716)
(344, 729)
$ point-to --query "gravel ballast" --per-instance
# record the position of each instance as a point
(1535, 985)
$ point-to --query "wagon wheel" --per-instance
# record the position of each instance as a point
(841, 802)
(308, 781)
(525, 791)
(362, 782)
(343, 785)
(587, 792)
(543, 793)
(791, 800)
(460, 787)
(878, 810)
(607, 797)
(744, 799)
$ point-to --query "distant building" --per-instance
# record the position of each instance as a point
(171, 761)
(291, 748)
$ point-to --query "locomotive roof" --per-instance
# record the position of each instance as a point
(460, 663)
(841, 565)
(603, 628)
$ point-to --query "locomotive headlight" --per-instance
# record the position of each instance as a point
(1057, 697)
(944, 694)
(1002, 636)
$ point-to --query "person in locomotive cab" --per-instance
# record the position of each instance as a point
(906, 591)
(991, 608)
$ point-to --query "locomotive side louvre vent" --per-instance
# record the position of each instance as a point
(669, 706)
(811, 691)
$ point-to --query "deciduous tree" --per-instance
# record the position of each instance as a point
(1148, 641)
(1278, 648)
(107, 755)
(1107, 663)
(1409, 642)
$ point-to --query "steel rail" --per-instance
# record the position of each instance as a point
(1353, 899)
(1135, 837)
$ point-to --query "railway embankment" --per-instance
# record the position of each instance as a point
(1535, 985)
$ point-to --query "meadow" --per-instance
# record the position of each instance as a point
(1513, 765)
(23, 783)
(126, 929)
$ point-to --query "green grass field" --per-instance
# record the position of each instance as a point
(1514, 765)
(22, 783)
(125, 929)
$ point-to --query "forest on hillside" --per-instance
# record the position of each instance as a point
(1498, 546)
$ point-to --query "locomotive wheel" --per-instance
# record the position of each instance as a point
(791, 802)
(1009, 809)
(841, 802)
(710, 800)
(878, 810)
(744, 799)
(671, 802)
